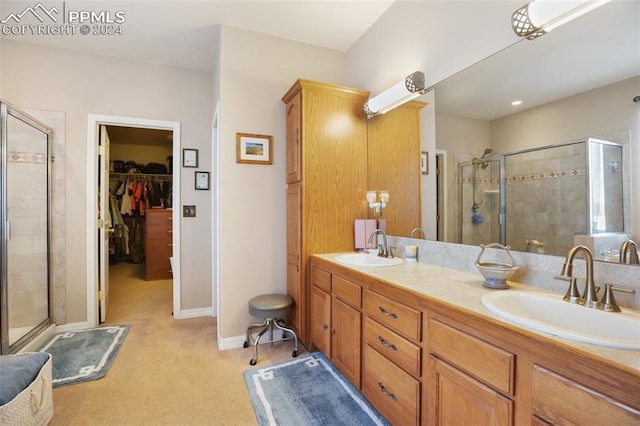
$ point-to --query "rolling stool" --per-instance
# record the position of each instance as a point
(273, 308)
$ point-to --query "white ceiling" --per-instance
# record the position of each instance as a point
(182, 32)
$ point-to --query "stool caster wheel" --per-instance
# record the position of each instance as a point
(294, 354)
(245, 344)
(253, 361)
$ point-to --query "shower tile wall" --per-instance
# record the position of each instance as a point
(546, 191)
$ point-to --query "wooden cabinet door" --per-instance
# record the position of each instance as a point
(346, 336)
(462, 400)
(320, 320)
(294, 135)
(295, 285)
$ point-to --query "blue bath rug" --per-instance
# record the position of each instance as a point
(308, 390)
(84, 355)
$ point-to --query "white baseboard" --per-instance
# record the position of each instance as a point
(73, 326)
(238, 341)
(193, 313)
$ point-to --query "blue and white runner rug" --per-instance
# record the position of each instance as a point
(84, 355)
(308, 390)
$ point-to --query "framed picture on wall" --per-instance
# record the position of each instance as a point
(189, 157)
(202, 180)
(254, 149)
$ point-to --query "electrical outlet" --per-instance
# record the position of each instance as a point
(188, 211)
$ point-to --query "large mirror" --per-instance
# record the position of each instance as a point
(576, 85)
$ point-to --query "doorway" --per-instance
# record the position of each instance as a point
(140, 202)
(98, 172)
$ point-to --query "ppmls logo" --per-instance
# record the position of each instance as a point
(40, 20)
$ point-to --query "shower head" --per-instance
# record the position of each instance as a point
(487, 151)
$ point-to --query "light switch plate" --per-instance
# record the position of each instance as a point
(188, 211)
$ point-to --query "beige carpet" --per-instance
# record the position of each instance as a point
(168, 372)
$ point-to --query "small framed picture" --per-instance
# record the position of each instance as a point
(202, 180)
(189, 157)
(424, 163)
(254, 149)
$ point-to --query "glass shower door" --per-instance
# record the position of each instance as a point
(25, 307)
(480, 201)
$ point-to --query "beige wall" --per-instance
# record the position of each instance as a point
(256, 71)
(79, 84)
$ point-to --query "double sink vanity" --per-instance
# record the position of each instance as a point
(431, 345)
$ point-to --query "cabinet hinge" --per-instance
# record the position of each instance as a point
(101, 295)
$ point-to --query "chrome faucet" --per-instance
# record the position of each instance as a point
(384, 250)
(629, 252)
(589, 297)
(415, 230)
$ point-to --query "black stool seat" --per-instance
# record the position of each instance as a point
(270, 305)
(273, 309)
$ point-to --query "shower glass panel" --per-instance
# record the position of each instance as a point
(480, 202)
(25, 279)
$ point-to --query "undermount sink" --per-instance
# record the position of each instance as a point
(549, 313)
(367, 259)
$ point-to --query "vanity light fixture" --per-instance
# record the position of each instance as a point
(538, 17)
(378, 206)
(410, 88)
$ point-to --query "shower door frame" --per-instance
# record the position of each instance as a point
(6, 110)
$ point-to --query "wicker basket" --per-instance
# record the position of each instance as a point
(32, 406)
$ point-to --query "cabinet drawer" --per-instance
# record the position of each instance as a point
(158, 269)
(395, 315)
(347, 291)
(490, 364)
(321, 278)
(392, 391)
(559, 400)
(396, 348)
(158, 217)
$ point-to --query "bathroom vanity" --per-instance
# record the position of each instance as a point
(418, 343)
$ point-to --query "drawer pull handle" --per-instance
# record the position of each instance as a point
(386, 313)
(325, 326)
(385, 392)
(387, 345)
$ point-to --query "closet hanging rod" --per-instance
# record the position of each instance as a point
(142, 175)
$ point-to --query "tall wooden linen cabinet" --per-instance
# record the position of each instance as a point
(326, 175)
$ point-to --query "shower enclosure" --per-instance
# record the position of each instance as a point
(25, 193)
(541, 199)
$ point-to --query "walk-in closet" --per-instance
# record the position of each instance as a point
(140, 201)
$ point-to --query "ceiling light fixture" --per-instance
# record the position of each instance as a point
(516, 103)
(538, 17)
(410, 88)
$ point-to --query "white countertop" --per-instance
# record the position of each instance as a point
(464, 290)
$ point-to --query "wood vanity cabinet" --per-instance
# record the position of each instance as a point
(427, 362)
(335, 307)
(158, 244)
(326, 173)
